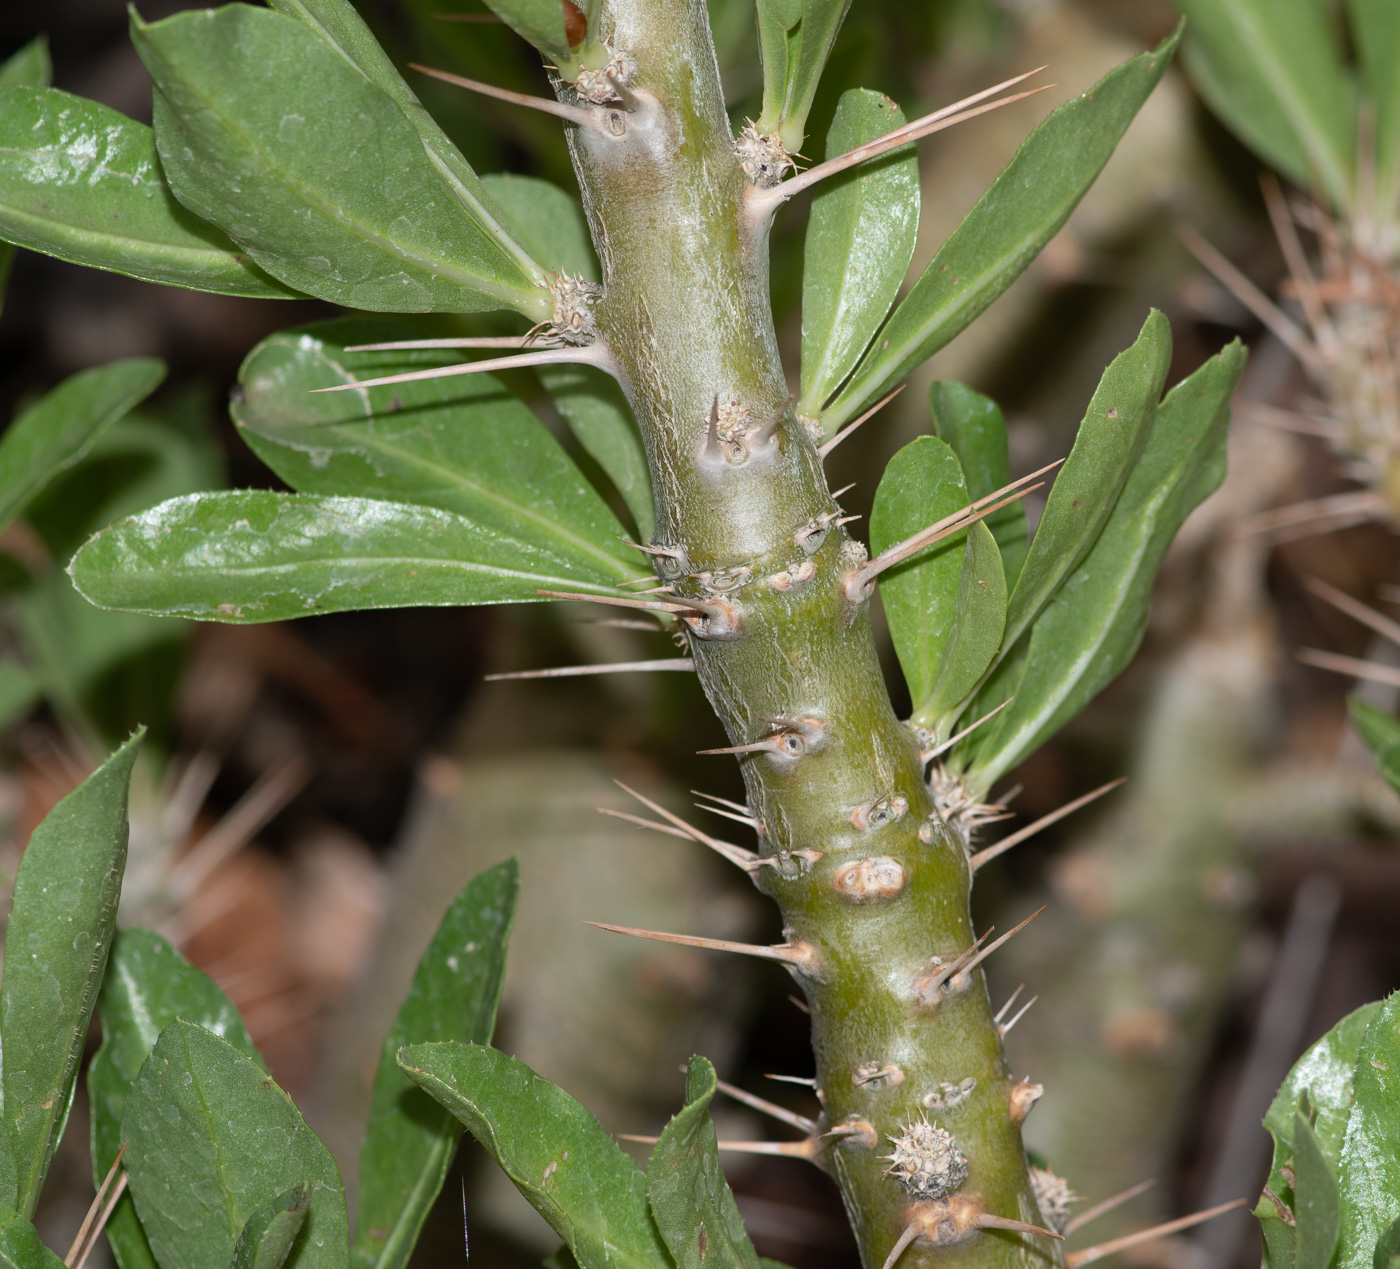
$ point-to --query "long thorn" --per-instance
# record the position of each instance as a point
(962, 966)
(728, 814)
(781, 1113)
(1090, 1254)
(1354, 609)
(1010, 1000)
(931, 754)
(1015, 839)
(591, 355)
(1294, 255)
(102, 1218)
(644, 823)
(786, 953)
(809, 1149)
(574, 114)
(94, 1208)
(1004, 1031)
(985, 1220)
(1353, 666)
(907, 1236)
(615, 667)
(1102, 1209)
(793, 1079)
(735, 854)
(647, 605)
(824, 449)
(408, 345)
(1303, 519)
(715, 797)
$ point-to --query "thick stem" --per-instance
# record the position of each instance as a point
(747, 513)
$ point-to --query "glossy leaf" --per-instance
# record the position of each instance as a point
(549, 223)
(20, 1247)
(1316, 1201)
(479, 453)
(1370, 1172)
(59, 935)
(973, 425)
(1375, 31)
(922, 484)
(30, 67)
(593, 405)
(975, 638)
(58, 429)
(795, 39)
(551, 1147)
(148, 986)
(213, 1140)
(539, 22)
(269, 132)
(1093, 625)
(267, 1238)
(260, 556)
(1271, 69)
(1381, 733)
(81, 182)
(693, 1205)
(411, 1140)
(860, 239)
(1106, 448)
(1020, 212)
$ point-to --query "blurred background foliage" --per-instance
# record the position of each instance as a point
(312, 793)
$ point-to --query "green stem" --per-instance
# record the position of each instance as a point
(871, 883)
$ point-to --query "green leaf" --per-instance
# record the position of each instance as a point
(860, 239)
(20, 1247)
(1375, 31)
(31, 67)
(795, 39)
(1387, 1255)
(538, 22)
(81, 182)
(1381, 733)
(267, 1238)
(60, 932)
(259, 556)
(1020, 212)
(147, 987)
(1086, 488)
(1271, 69)
(975, 638)
(480, 454)
(19, 689)
(272, 134)
(1370, 1171)
(1091, 628)
(1316, 1201)
(549, 222)
(61, 426)
(694, 1208)
(551, 1147)
(596, 410)
(922, 484)
(411, 1140)
(973, 425)
(213, 1140)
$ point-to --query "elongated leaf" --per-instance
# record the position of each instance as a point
(269, 132)
(267, 1238)
(31, 67)
(411, 1139)
(482, 454)
(795, 39)
(1020, 212)
(860, 239)
(593, 405)
(973, 425)
(1092, 627)
(81, 182)
(1273, 72)
(975, 638)
(147, 987)
(56, 946)
(1086, 488)
(1370, 1172)
(213, 1140)
(20, 1247)
(540, 22)
(1381, 733)
(922, 484)
(259, 556)
(1317, 1204)
(549, 222)
(551, 1147)
(694, 1208)
(58, 429)
(1375, 30)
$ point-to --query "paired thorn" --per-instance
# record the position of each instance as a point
(929, 755)
(745, 859)
(1354, 666)
(799, 955)
(826, 447)
(1317, 515)
(983, 857)
(588, 354)
(484, 341)
(1102, 1209)
(1090, 1254)
(1355, 609)
(98, 1214)
(771, 1109)
(1010, 1000)
(546, 105)
(615, 667)
(764, 201)
(957, 973)
(747, 820)
(732, 805)
(1004, 1030)
(857, 585)
(951, 1221)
